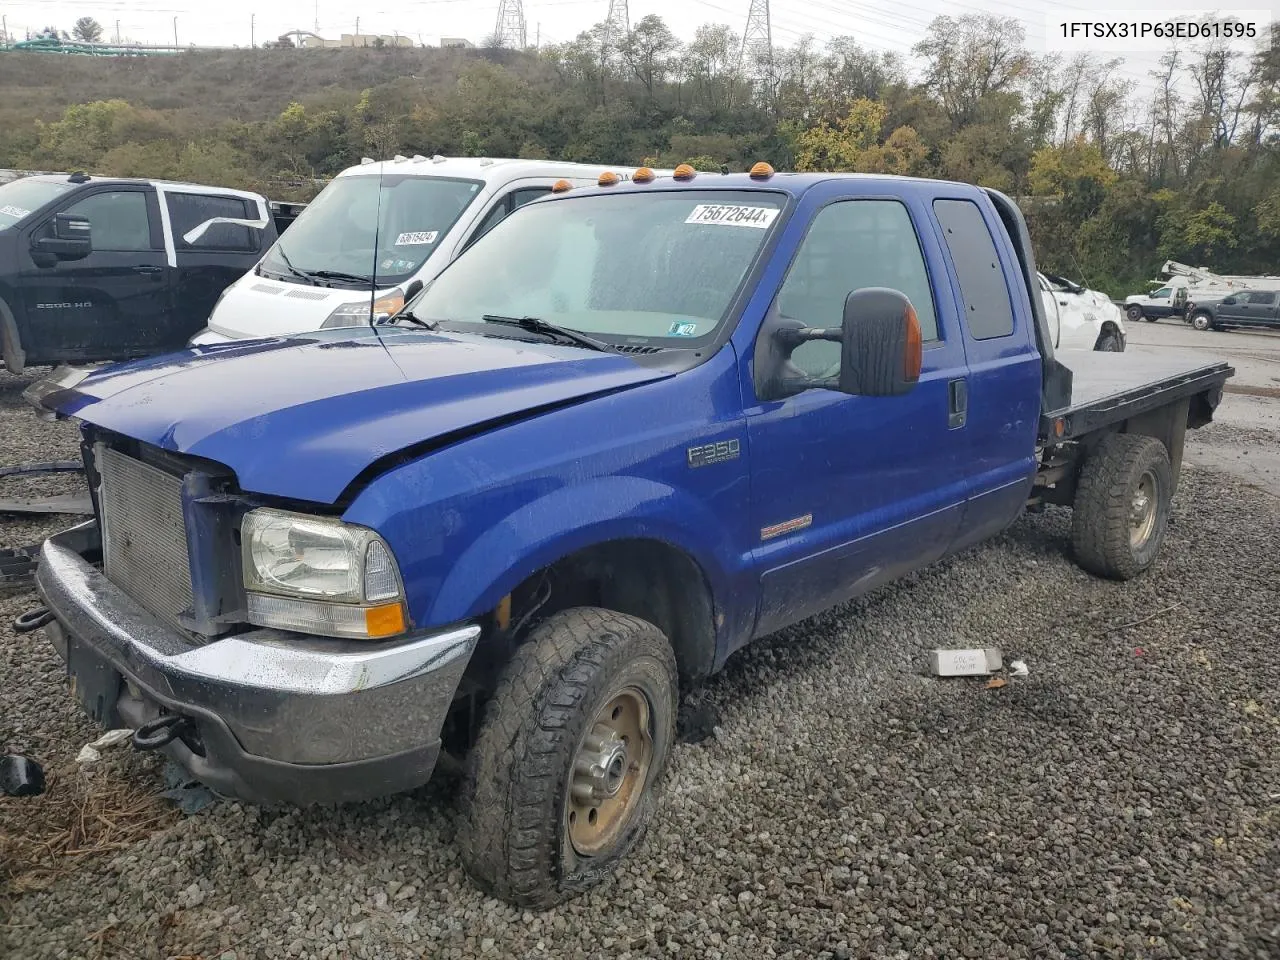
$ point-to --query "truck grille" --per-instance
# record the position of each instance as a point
(143, 532)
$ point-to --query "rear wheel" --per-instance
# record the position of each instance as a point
(1122, 506)
(1134, 313)
(562, 781)
(1201, 320)
(1109, 342)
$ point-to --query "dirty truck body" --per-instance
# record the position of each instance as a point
(327, 555)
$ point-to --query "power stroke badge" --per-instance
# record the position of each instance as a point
(708, 453)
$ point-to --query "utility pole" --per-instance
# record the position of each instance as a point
(175, 31)
(117, 32)
(317, 23)
(509, 31)
(537, 36)
(252, 17)
(755, 61)
(617, 24)
(356, 38)
(4, 28)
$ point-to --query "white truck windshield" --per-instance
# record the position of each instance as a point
(19, 197)
(407, 216)
(661, 265)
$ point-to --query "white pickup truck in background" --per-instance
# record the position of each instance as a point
(1079, 318)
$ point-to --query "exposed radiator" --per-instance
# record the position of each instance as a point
(143, 533)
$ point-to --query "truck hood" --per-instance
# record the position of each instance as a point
(301, 417)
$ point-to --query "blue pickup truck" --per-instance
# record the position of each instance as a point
(631, 429)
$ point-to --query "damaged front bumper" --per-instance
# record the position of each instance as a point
(264, 716)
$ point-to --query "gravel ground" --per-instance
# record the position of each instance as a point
(1121, 801)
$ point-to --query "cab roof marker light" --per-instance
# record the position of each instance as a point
(684, 172)
(561, 186)
(643, 175)
(418, 158)
(366, 160)
(761, 171)
(437, 159)
(399, 158)
(607, 179)
(486, 162)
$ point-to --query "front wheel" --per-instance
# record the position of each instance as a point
(1201, 321)
(1122, 505)
(1133, 312)
(1109, 342)
(561, 782)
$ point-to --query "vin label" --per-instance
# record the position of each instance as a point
(732, 215)
(718, 452)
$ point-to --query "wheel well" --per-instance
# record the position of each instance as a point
(649, 579)
(10, 342)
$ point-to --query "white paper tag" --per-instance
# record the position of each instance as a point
(417, 239)
(732, 215)
(12, 211)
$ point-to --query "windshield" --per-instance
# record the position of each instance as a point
(19, 197)
(658, 267)
(408, 215)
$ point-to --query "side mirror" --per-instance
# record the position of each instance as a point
(881, 346)
(1228, 301)
(71, 238)
(411, 291)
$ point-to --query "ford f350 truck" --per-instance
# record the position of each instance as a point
(631, 429)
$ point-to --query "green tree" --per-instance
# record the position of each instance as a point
(87, 29)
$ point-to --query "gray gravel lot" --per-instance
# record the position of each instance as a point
(1121, 801)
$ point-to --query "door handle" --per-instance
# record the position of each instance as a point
(155, 273)
(957, 403)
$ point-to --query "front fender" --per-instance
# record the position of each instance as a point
(570, 519)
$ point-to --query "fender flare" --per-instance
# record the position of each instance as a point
(15, 360)
(571, 519)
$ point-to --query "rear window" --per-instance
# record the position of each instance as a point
(189, 210)
(1263, 298)
(987, 308)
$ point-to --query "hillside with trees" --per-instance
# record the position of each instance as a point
(1114, 181)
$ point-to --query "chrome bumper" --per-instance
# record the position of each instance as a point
(279, 717)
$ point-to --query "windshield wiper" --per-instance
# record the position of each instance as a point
(413, 318)
(538, 325)
(300, 274)
(339, 275)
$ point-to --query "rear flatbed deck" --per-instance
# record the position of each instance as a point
(1107, 388)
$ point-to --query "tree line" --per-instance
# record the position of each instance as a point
(1115, 175)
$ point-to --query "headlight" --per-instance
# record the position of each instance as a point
(319, 575)
(357, 313)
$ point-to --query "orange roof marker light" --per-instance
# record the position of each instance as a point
(561, 186)
(643, 175)
(607, 179)
(684, 172)
(761, 171)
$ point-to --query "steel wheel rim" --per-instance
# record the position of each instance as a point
(1142, 510)
(609, 772)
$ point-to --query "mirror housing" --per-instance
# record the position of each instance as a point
(881, 345)
(1228, 301)
(412, 290)
(71, 240)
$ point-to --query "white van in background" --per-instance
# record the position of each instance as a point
(372, 232)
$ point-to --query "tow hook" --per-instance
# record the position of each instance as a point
(163, 730)
(33, 619)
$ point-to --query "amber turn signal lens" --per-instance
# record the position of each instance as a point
(684, 172)
(643, 175)
(761, 171)
(384, 621)
(607, 179)
(913, 355)
(560, 186)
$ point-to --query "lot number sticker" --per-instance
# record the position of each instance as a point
(11, 211)
(416, 239)
(732, 215)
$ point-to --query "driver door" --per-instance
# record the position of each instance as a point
(848, 492)
(112, 304)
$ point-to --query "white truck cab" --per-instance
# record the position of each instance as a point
(1080, 318)
(372, 232)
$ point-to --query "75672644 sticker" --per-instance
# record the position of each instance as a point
(732, 215)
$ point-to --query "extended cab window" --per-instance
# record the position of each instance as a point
(653, 266)
(1263, 298)
(850, 245)
(513, 200)
(117, 220)
(987, 309)
(189, 210)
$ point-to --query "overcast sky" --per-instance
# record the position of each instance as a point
(883, 26)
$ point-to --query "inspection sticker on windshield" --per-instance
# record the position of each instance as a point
(732, 215)
(12, 211)
(416, 239)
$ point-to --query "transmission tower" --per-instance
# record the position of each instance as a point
(755, 62)
(510, 29)
(616, 27)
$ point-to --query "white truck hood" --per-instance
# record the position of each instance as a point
(257, 306)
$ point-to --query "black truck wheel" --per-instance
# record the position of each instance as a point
(561, 781)
(1134, 313)
(1122, 504)
(1202, 320)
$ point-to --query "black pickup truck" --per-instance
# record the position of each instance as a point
(95, 269)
